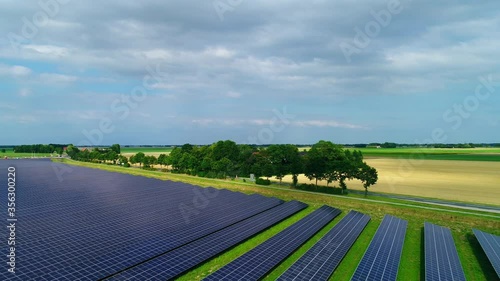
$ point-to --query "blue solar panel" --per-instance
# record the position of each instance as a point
(176, 262)
(441, 257)
(93, 223)
(381, 260)
(254, 264)
(323, 258)
(491, 246)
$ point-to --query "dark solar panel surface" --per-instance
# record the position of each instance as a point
(323, 258)
(254, 264)
(381, 260)
(491, 246)
(87, 224)
(176, 262)
(441, 257)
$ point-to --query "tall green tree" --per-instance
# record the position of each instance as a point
(116, 148)
(322, 161)
(368, 176)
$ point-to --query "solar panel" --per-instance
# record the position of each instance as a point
(176, 262)
(94, 223)
(323, 258)
(441, 257)
(254, 264)
(381, 259)
(491, 246)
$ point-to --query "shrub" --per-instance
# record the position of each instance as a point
(321, 189)
(211, 175)
(260, 181)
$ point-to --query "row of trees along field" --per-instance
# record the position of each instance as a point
(323, 161)
(40, 148)
(97, 154)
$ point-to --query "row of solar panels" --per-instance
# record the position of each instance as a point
(441, 256)
(380, 261)
(316, 264)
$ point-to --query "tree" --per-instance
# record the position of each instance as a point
(138, 158)
(162, 159)
(72, 151)
(149, 160)
(322, 161)
(59, 150)
(111, 155)
(123, 160)
(285, 160)
(116, 148)
(175, 158)
(368, 175)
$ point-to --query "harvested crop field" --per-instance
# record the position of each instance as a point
(471, 181)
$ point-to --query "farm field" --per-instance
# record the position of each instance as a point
(155, 151)
(475, 265)
(11, 154)
(468, 175)
(467, 181)
(459, 154)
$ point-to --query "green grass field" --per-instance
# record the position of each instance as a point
(473, 260)
(11, 154)
(458, 154)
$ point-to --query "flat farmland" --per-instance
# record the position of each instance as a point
(9, 152)
(468, 181)
(459, 154)
(154, 151)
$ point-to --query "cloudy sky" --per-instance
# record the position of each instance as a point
(169, 72)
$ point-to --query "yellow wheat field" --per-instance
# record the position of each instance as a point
(468, 181)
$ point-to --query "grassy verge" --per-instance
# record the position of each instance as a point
(472, 258)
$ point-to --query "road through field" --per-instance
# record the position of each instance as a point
(467, 181)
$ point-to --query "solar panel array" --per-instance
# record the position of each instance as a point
(441, 257)
(85, 224)
(491, 246)
(323, 258)
(254, 264)
(89, 224)
(381, 260)
(173, 263)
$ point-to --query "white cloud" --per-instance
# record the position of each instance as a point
(47, 50)
(267, 122)
(219, 52)
(233, 95)
(326, 123)
(55, 78)
(14, 70)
